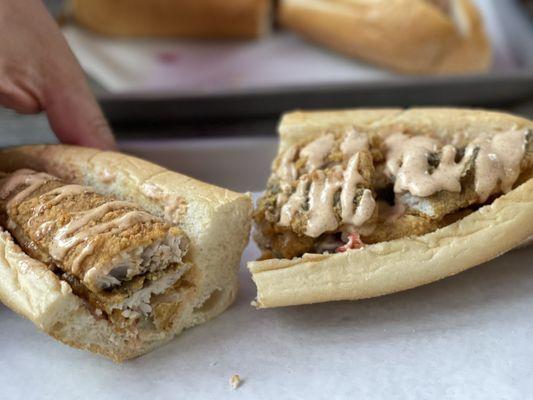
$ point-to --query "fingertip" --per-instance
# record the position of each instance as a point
(80, 121)
(101, 137)
(95, 133)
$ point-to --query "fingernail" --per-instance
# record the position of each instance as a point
(103, 138)
(108, 140)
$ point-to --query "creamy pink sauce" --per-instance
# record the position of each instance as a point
(106, 176)
(172, 205)
(321, 188)
(287, 173)
(407, 160)
(497, 164)
(152, 191)
(317, 151)
(365, 209)
(65, 240)
(174, 210)
(78, 229)
(353, 143)
(63, 192)
(87, 251)
(287, 169)
(33, 181)
(295, 202)
(44, 229)
(321, 217)
(60, 194)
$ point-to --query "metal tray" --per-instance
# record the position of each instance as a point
(489, 90)
(511, 80)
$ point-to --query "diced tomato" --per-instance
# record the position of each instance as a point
(354, 242)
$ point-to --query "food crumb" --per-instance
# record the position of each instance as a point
(235, 381)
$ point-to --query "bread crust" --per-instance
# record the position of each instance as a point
(393, 266)
(216, 220)
(408, 36)
(181, 18)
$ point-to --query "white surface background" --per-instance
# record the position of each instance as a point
(467, 337)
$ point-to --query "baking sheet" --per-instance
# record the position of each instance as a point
(147, 80)
(280, 60)
(468, 336)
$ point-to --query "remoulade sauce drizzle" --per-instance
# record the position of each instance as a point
(321, 200)
(64, 192)
(63, 242)
(408, 161)
(78, 229)
(496, 159)
(353, 143)
(321, 188)
(33, 180)
(317, 151)
(294, 203)
(366, 207)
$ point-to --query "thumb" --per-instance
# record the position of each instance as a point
(76, 118)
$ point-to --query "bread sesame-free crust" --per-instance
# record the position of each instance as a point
(409, 36)
(216, 220)
(405, 263)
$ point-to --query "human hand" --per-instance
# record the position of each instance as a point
(39, 72)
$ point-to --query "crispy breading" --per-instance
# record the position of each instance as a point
(443, 203)
(288, 242)
(420, 215)
(26, 220)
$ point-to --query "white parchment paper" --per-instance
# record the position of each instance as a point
(467, 337)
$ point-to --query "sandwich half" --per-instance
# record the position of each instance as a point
(363, 203)
(408, 36)
(112, 254)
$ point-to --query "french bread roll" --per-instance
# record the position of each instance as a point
(408, 36)
(315, 249)
(106, 209)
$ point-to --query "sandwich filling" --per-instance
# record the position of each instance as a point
(340, 191)
(124, 262)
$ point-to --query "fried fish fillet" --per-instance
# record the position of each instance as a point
(98, 239)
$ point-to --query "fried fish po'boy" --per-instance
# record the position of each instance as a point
(113, 254)
(409, 36)
(368, 202)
